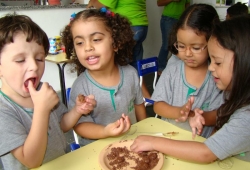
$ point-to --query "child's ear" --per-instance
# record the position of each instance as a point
(116, 50)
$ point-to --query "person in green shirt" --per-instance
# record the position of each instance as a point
(170, 15)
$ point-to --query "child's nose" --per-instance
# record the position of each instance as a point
(210, 67)
(33, 65)
(188, 52)
(88, 47)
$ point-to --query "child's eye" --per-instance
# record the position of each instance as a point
(19, 61)
(79, 43)
(181, 46)
(196, 48)
(217, 64)
(96, 40)
(40, 59)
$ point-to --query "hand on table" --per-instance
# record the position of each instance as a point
(119, 127)
(197, 122)
(142, 143)
(185, 110)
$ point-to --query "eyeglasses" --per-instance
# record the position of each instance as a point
(182, 48)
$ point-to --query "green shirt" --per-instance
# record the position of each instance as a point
(133, 10)
(175, 9)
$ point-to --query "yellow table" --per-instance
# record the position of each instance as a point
(86, 158)
(59, 59)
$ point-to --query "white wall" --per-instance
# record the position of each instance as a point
(152, 44)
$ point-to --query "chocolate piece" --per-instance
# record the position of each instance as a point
(81, 98)
(191, 113)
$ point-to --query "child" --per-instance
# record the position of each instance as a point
(237, 10)
(230, 67)
(32, 122)
(102, 43)
(189, 76)
(135, 12)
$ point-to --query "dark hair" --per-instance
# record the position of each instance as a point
(237, 10)
(13, 23)
(199, 17)
(234, 35)
(119, 28)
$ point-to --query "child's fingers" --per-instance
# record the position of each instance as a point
(120, 126)
(91, 96)
(90, 100)
(193, 132)
(199, 127)
(127, 124)
(31, 88)
(203, 121)
(191, 100)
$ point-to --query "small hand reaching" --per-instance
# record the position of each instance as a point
(197, 122)
(185, 110)
(119, 127)
(142, 143)
(86, 105)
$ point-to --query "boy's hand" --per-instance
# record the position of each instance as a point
(119, 127)
(142, 143)
(197, 122)
(85, 107)
(184, 110)
(45, 99)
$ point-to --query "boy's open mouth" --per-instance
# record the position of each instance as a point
(26, 83)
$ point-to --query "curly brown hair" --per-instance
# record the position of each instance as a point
(118, 26)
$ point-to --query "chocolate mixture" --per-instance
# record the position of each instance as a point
(119, 156)
(81, 98)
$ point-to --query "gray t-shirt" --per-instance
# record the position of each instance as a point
(111, 101)
(14, 129)
(233, 139)
(172, 60)
(173, 89)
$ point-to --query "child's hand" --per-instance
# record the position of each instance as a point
(45, 99)
(184, 110)
(87, 106)
(119, 127)
(197, 122)
(142, 143)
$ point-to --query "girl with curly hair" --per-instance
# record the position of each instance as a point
(100, 44)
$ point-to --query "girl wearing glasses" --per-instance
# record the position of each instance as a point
(187, 83)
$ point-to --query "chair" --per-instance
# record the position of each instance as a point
(147, 66)
(75, 145)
